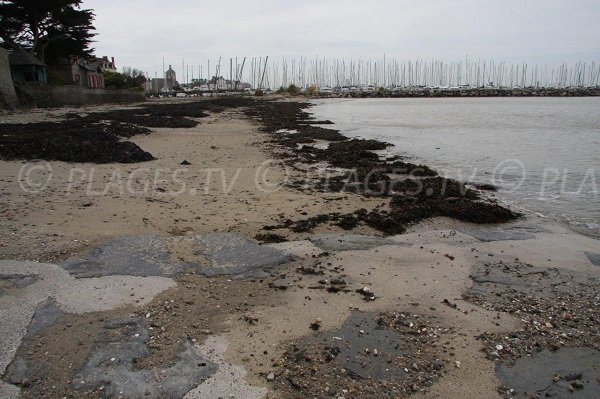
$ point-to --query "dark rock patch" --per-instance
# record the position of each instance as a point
(565, 373)
(111, 371)
(233, 255)
(509, 232)
(16, 281)
(558, 308)
(334, 243)
(22, 371)
(216, 254)
(594, 258)
(132, 255)
(386, 355)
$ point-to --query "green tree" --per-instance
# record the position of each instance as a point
(129, 78)
(46, 29)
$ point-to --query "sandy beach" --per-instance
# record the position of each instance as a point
(197, 275)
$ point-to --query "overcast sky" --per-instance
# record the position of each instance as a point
(139, 33)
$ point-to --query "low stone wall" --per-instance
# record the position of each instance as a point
(483, 92)
(48, 96)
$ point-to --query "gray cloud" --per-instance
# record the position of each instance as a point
(140, 33)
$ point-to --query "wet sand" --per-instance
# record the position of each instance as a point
(247, 310)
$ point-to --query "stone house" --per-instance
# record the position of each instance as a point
(80, 72)
(107, 65)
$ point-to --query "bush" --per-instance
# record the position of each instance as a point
(293, 90)
(130, 78)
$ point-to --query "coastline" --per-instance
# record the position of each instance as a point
(480, 163)
(253, 321)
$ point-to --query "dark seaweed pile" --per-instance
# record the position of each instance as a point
(416, 192)
(99, 137)
(72, 141)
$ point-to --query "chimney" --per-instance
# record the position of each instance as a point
(113, 63)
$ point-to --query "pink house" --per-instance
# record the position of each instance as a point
(84, 73)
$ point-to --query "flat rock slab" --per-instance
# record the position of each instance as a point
(533, 376)
(20, 370)
(334, 242)
(111, 366)
(17, 280)
(127, 256)
(503, 233)
(594, 258)
(9, 282)
(234, 255)
(211, 254)
(492, 281)
(352, 343)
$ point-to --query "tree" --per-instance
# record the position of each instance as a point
(130, 78)
(47, 29)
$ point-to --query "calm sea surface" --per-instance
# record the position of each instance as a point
(543, 153)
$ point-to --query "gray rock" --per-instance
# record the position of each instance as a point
(131, 256)
(502, 233)
(534, 375)
(222, 254)
(17, 372)
(235, 255)
(46, 314)
(334, 242)
(594, 258)
(111, 365)
(17, 280)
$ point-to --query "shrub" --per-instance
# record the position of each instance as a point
(293, 90)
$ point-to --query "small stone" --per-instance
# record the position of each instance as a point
(271, 376)
(577, 384)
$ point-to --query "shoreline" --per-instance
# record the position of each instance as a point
(246, 310)
(576, 223)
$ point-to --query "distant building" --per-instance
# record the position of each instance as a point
(166, 84)
(107, 65)
(171, 78)
(221, 83)
(158, 85)
(81, 72)
(25, 68)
